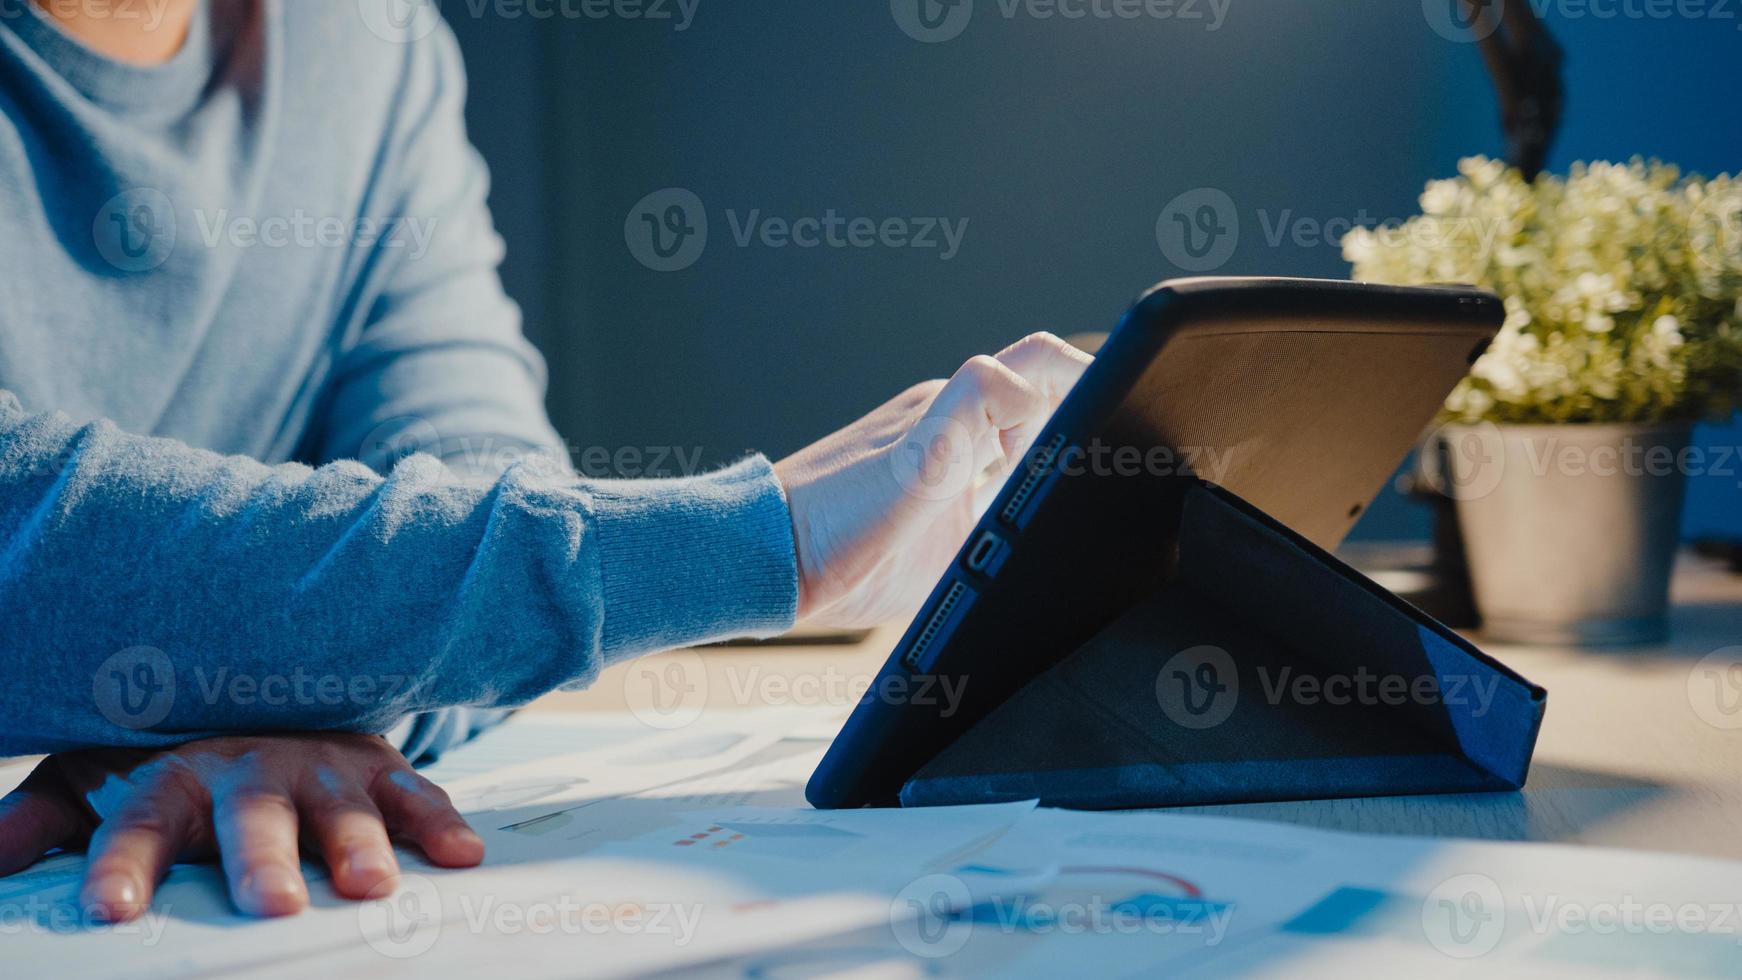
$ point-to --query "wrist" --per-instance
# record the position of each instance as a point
(695, 560)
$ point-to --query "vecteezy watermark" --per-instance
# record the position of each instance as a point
(1715, 688)
(301, 229)
(672, 690)
(405, 21)
(757, 687)
(136, 230)
(937, 915)
(1200, 229)
(1469, 21)
(935, 459)
(147, 14)
(1465, 462)
(1464, 916)
(926, 916)
(298, 687)
(1715, 230)
(35, 914)
(936, 21)
(1468, 461)
(136, 688)
(410, 915)
(1464, 21)
(668, 230)
(668, 691)
(1099, 458)
(1199, 688)
(407, 435)
(1469, 915)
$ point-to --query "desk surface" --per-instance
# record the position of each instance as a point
(1640, 748)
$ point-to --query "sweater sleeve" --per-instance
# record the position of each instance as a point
(151, 592)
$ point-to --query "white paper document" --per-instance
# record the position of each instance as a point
(615, 850)
(1156, 894)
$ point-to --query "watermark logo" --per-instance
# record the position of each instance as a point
(135, 688)
(1199, 230)
(667, 230)
(925, 916)
(302, 229)
(1198, 688)
(935, 459)
(400, 21)
(1472, 21)
(404, 919)
(932, 21)
(36, 913)
(146, 15)
(1465, 461)
(135, 231)
(1464, 21)
(1464, 916)
(1717, 217)
(395, 439)
(669, 691)
(1715, 688)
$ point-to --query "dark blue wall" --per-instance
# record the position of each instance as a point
(1059, 141)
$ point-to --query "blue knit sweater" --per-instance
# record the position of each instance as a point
(273, 251)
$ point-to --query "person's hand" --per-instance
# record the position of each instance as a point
(880, 507)
(243, 799)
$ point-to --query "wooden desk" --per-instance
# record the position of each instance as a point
(1631, 753)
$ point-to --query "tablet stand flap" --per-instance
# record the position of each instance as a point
(1263, 669)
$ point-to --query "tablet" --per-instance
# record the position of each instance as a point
(1300, 397)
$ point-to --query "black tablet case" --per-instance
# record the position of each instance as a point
(1124, 722)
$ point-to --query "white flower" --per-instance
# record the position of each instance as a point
(1622, 284)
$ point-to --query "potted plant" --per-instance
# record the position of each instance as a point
(1568, 445)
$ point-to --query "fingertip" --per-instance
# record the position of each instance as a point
(114, 897)
(272, 891)
(366, 872)
(455, 847)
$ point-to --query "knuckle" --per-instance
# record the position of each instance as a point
(141, 823)
(438, 797)
(256, 799)
(981, 371)
(173, 776)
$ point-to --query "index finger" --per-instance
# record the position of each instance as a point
(1047, 362)
(134, 846)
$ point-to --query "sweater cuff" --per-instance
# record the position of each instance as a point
(695, 560)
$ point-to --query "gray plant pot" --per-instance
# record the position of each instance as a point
(1571, 530)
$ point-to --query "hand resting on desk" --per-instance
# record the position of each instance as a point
(242, 800)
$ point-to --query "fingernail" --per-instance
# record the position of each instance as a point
(113, 897)
(463, 839)
(273, 891)
(367, 862)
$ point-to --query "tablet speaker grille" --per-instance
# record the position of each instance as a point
(916, 653)
(1038, 463)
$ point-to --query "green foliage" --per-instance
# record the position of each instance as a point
(1622, 282)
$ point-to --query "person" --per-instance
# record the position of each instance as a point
(280, 508)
